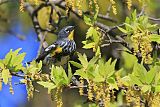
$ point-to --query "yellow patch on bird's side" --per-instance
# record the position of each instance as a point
(58, 50)
(70, 37)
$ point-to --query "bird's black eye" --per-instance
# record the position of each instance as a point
(67, 31)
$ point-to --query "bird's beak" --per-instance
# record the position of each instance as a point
(71, 35)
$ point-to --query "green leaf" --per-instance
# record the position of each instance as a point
(13, 60)
(98, 52)
(153, 27)
(87, 20)
(89, 32)
(146, 88)
(123, 30)
(90, 105)
(109, 68)
(6, 75)
(92, 71)
(84, 42)
(33, 68)
(127, 20)
(89, 45)
(2, 65)
(157, 89)
(95, 16)
(48, 85)
(112, 83)
(53, 74)
(140, 72)
(76, 64)
(155, 38)
(157, 78)
(98, 78)
(94, 60)
(134, 15)
(150, 75)
(19, 67)
(83, 60)
(134, 80)
(8, 57)
(126, 80)
(59, 76)
(112, 68)
(16, 60)
(96, 35)
(66, 80)
(81, 73)
(129, 26)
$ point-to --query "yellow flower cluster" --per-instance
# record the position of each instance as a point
(40, 77)
(113, 7)
(81, 86)
(21, 8)
(132, 97)
(30, 89)
(96, 5)
(118, 79)
(129, 4)
(77, 5)
(90, 89)
(99, 91)
(137, 101)
(142, 44)
(58, 97)
(73, 4)
(36, 2)
(129, 96)
(90, 5)
(68, 5)
(10, 87)
(154, 99)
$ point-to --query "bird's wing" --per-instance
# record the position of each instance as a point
(47, 51)
(58, 47)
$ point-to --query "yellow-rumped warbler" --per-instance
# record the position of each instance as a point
(64, 46)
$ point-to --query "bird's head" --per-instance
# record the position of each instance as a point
(66, 32)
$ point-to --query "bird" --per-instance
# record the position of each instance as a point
(62, 48)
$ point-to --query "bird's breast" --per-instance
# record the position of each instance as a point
(68, 47)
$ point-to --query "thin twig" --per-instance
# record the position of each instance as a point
(73, 87)
(115, 27)
(154, 19)
(42, 43)
(17, 75)
(142, 11)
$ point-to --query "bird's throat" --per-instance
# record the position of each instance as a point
(71, 35)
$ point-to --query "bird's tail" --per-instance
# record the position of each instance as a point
(42, 56)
